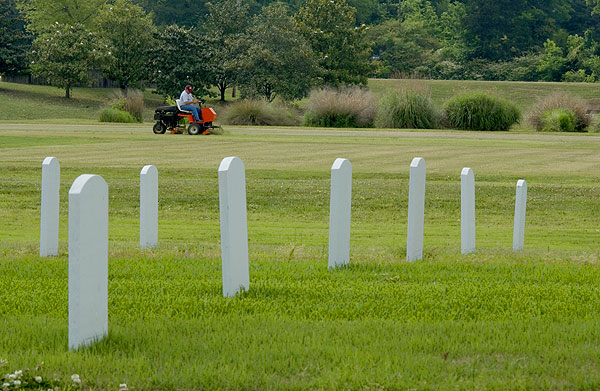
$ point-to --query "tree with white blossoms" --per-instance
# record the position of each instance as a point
(129, 33)
(41, 14)
(64, 55)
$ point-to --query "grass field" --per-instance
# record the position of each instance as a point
(494, 319)
(45, 104)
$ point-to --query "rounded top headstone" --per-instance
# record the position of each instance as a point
(230, 163)
(418, 162)
(148, 169)
(86, 181)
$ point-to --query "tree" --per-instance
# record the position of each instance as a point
(225, 27)
(341, 48)
(279, 61)
(14, 42)
(181, 56)
(64, 55)
(552, 63)
(185, 13)
(40, 14)
(129, 33)
(403, 47)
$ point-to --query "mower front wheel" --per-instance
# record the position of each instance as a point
(159, 128)
(194, 129)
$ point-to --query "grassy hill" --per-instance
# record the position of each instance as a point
(44, 103)
(23, 102)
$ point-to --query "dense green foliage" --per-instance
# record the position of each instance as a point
(407, 109)
(481, 111)
(14, 42)
(226, 28)
(128, 32)
(340, 47)
(179, 59)
(278, 61)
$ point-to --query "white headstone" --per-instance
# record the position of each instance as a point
(88, 260)
(340, 206)
(234, 227)
(520, 208)
(50, 207)
(416, 210)
(467, 211)
(148, 207)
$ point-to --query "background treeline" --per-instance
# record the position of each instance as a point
(282, 49)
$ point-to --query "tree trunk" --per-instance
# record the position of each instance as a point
(123, 90)
(233, 91)
(68, 92)
(222, 87)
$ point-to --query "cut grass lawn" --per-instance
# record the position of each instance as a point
(490, 320)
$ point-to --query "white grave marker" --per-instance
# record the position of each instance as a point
(520, 208)
(234, 227)
(467, 211)
(50, 207)
(148, 207)
(416, 210)
(88, 260)
(340, 206)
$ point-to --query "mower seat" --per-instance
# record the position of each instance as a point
(179, 102)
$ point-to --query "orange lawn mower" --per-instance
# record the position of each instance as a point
(168, 118)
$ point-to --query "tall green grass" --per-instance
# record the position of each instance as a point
(407, 109)
(481, 111)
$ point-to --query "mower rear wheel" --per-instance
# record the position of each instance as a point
(194, 129)
(159, 128)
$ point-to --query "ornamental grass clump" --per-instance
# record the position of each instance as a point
(407, 109)
(345, 107)
(544, 111)
(480, 111)
(259, 112)
(124, 108)
(109, 114)
(558, 120)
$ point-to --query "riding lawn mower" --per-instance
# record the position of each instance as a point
(168, 118)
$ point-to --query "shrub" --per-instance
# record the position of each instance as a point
(346, 107)
(109, 114)
(133, 103)
(560, 101)
(407, 109)
(558, 120)
(480, 111)
(594, 126)
(259, 112)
